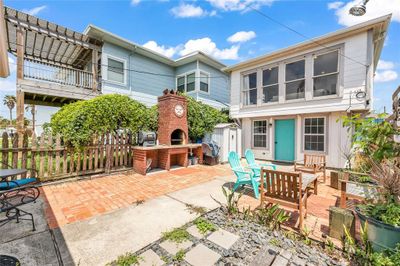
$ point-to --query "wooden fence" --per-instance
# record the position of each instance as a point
(48, 158)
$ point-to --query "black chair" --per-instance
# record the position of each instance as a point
(12, 199)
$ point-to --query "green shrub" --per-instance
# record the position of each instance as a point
(388, 212)
(80, 121)
(126, 260)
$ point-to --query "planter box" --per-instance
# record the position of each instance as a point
(382, 236)
(338, 218)
(335, 179)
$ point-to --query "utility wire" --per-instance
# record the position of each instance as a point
(300, 34)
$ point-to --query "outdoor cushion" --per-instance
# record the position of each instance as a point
(16, 183)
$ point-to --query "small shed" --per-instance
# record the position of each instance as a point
(228, 137)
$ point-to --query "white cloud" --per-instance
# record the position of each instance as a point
(385, 71)
(385, 76)
(34, 11)
(190, 11)
(242, 36)
(239, 5)
(209, 47)
(135, 2)
(375, 9)
(335, 5)
(385, 65)
(167, 51)
(8, 85)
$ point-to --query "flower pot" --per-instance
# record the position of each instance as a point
(381, 235)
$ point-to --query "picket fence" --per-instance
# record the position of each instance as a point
(48, 158)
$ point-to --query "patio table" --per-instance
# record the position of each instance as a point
(308, 179)
(5, 173)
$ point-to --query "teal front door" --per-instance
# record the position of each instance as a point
(284, 140)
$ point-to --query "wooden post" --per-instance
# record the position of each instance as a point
(95, 70)
(20, 76)
(4, 155)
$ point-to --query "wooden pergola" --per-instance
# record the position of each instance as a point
(4, 68)
(55, 65)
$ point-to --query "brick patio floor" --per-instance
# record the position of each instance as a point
(74, 201)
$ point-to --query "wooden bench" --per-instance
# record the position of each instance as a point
(285, 189)
(312, 163)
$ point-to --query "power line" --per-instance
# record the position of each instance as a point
(301, 34)
(116, 68)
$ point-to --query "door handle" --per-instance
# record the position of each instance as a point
(276, 142)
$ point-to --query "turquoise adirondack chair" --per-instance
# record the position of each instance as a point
(256, 167)
(243, 177)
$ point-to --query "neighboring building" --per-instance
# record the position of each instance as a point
(131, 69)
(290, 101)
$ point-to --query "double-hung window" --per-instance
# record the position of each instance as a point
(260, 134)
(326, 72)
(270, 85)
(250, 89)
(295, 80)
(115, 70)
(186, 83)
(204, 80)
(314, 134)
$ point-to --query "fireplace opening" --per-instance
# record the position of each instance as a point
(177, 137)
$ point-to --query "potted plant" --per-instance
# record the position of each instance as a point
(383, 213)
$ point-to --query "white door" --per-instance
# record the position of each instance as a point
(233, 139)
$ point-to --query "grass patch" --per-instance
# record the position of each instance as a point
(179, 256)
(275, 242)
(178, 235)
(204, 226)
(126, 260)
(196, 209)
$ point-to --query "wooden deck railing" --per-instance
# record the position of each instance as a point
(47, 158)
(41, 71)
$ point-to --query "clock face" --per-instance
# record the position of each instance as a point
(179, 110)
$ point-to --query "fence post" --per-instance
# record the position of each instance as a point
(5, 151)
(33, 156)
(109, 153)
(24, 152)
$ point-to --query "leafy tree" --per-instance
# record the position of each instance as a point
(373, 137)
(10, 101)
(80, 121)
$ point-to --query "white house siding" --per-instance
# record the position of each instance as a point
(352, 78)
(337, 138)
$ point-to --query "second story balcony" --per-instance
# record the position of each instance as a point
(55, 65)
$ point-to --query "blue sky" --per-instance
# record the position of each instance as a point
(226, 29)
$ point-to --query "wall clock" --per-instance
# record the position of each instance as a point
(179, 110)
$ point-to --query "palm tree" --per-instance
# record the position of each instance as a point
(32, 108)
(10, 101)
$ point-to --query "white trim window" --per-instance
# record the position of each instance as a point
(116, 70)
(295, 80)
(250, 88)
(314, 134)
(204, 82)
(270, 85)
(325, 74)
(260, 129)
(186, 82)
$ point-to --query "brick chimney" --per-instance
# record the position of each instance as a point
(172, 119)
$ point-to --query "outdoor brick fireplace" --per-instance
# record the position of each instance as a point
(173, 142)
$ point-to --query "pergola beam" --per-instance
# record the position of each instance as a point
(4, 67)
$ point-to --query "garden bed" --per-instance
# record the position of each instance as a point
(251, 244)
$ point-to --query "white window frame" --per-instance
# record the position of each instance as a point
(294, 60)
(243, 91)
(260, 134)
(121, 60)
(332, 73)
(185, 76)
(262, 81)
(208, 81)
(325, 134)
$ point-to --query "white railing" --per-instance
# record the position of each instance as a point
(41, 71)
